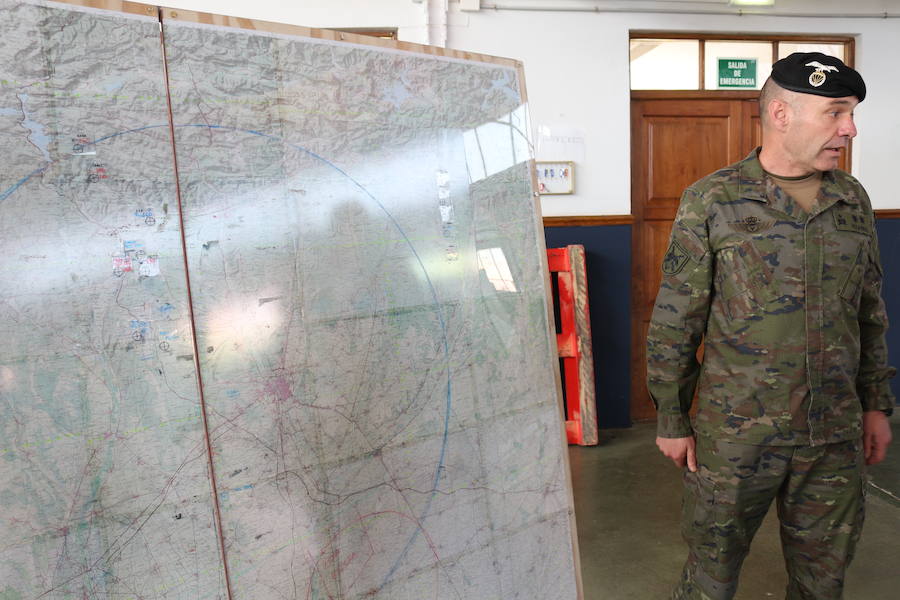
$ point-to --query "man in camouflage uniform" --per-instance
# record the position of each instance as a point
(784, 289)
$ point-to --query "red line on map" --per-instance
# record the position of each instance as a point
(209, 451)
(333, 541)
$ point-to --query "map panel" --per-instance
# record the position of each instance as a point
(366, 286)
(371, 316)
(103, 466)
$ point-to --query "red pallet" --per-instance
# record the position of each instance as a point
(574, 344)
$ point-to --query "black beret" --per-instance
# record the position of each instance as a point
(819, 74)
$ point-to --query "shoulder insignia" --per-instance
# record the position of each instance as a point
(675, 259)
(750, 224)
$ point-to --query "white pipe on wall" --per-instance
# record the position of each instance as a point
(603, 7)
(436, 22)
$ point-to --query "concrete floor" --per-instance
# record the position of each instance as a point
(627, 506)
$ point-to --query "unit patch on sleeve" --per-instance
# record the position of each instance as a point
(675, 259)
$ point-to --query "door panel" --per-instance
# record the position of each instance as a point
(677, 152)
(752, 133)
(674, 143)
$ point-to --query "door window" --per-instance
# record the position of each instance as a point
(716, 62)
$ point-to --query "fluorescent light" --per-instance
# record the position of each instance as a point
(752, 2)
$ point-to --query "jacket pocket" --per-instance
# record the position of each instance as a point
(851, 286)
(744, 280)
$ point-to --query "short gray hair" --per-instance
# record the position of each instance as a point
(770, 91)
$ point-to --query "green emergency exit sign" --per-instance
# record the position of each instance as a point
(737, 73)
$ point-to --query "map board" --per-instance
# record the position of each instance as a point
(275, 316)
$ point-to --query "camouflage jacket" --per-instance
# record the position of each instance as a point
(787, 303)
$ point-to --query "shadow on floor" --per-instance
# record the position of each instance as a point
(627, 505)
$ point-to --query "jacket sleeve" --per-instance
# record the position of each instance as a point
(872, 379)
(679, 318)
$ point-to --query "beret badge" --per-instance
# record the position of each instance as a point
(818, 74)
(817, 77)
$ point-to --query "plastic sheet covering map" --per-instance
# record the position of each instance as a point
(374, 361)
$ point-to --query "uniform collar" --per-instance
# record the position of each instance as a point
(754, 185)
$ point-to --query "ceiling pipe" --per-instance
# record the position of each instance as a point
(739, 12)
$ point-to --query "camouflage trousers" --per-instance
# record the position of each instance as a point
(819, 493)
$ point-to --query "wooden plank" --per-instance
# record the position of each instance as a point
(587, 394)
(132, 8)
(551, 326)
(694, 94)
(190, 16)
(737, 36)
(588, 221)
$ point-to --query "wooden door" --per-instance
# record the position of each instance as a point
(674, 143)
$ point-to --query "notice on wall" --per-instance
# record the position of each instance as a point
(737, 73)
(560, 142)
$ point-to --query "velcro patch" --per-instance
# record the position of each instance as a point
(847, 221)
(675, 259)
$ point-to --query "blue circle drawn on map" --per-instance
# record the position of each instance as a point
(445, 342)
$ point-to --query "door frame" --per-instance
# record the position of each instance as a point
(640, 405)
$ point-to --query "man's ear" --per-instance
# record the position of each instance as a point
(779, 112)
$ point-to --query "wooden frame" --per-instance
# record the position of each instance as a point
(588, 221)
(601, 220)
(847, 40)
(554, 185)
(385, 33)
(131, 8)
(174, 14)
(702, 93)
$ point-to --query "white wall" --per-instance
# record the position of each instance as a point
(576, 66)
(576, 70)
(406, 15)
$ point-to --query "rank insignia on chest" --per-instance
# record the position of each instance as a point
(675, 259)
(750, 224)
(846, 221)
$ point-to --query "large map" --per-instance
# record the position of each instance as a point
(288, 339)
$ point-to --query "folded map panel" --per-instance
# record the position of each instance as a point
(103, 466)
(372, 319)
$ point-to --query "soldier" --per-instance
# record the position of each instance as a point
(773, 262)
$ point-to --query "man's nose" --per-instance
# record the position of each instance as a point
(848, 129)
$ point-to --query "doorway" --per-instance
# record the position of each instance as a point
(676, 139)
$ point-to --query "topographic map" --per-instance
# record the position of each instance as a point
(288, 340)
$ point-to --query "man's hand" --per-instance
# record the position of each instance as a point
(681, 449)
(876, 436)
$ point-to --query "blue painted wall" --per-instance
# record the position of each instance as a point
(608, 256)
(889, 244)
(608, 250)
